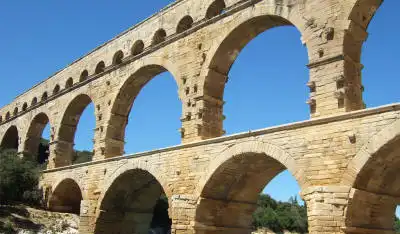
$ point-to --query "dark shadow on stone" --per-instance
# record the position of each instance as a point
(8, 210)
(26, 224)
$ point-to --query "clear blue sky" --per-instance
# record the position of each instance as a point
(41, 37)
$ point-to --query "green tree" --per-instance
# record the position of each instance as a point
(280, 216)
(82, 156)
(19, 179)
(396, 224)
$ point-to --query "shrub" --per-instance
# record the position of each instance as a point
(397, 225)
(19, 179)
(280, 216)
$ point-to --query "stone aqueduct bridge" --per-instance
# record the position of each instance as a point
(345, 159)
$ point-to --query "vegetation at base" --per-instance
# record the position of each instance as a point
(280, 216)
(397, 224)
(19, 179)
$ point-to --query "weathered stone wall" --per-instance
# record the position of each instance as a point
(200, 66)
(318, 153)
(343, 159)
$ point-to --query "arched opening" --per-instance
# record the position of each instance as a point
(376, 191)
(34, 101)
(8, 115)
(215, 9)
(379, 53)
(100, 67)
(44, 97)
(159, 37)
(79, 111)
(84, 76)
(38, 138)
(66, 197)
(231, 197)
(251, 58)
(24, 106)
(184, 24)
(147, 116)
(134, 203)
(69, 83)
(137, 47)
(1, 118)
(56, 89)
(10, 139)
(15, 113)
(118, 56)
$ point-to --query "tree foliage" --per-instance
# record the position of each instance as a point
(82, 156)
(280, 216)
(19, 178)
(396, 224)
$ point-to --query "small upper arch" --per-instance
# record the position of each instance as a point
(84, 75)
(215, 9)
(8, 115)
(69, 83)
(184, 24)
(118, 56)
(15, 111)
(25, 106)
(100, 67)
(56, 89)
(137, 47)
(44, 96)
(34, 101)
(159, 36)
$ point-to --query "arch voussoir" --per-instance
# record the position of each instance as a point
(366, 152)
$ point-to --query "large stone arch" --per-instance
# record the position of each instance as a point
(34, 133)
(67, 128)
(240, 28)
(368, 150)
(66, 196)
(10, 139)
(125, 97)
(129, 196)
(227, 47)
(359, 16)
(374, 176)
(233, 182)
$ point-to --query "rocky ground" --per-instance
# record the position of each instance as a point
(20, 219)
(267, 231)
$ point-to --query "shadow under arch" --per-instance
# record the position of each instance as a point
(374, 174)
(10, 139)
(34, 136)
(67, 129)
(134, 202)
(123, 103)
(230, 190)
(66, 197)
